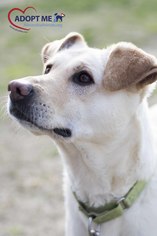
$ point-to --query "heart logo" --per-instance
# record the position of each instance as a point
(23, 12)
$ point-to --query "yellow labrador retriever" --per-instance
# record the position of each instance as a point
(93, 104)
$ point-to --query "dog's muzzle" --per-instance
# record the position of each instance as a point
(25, 107)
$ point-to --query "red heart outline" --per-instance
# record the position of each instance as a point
(23, 11)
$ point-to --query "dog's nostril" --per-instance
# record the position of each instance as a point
(19, 90)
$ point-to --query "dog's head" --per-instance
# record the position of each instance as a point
(83, 93)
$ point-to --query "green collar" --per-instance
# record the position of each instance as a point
(113, 209)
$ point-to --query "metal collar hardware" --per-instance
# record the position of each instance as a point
(93, 229)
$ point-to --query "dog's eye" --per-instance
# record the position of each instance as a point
(82, 78)
(48, 68)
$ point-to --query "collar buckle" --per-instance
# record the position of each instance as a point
(121, 201)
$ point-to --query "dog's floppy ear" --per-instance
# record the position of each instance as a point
(49, 50)
(128, 65)
(72, 39)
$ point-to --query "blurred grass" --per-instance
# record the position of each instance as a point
(15, 231)
(140, 8)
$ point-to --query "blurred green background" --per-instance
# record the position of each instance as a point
(31, 201)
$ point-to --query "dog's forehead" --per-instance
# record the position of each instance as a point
(84, 58)
(89, 55)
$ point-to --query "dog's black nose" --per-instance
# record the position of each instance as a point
(19, 90)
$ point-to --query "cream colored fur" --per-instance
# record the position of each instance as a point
(113, 142)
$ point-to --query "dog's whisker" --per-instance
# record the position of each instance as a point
(45, 38)
(3, 107)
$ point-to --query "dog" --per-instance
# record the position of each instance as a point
(58, 17)
(93, 104)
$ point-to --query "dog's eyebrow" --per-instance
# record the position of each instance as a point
(80, 67)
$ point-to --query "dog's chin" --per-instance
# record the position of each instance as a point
(32, 127)
(36, 129)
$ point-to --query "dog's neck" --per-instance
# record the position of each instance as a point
(100, 172)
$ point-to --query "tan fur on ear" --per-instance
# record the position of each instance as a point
(70, 40)
(128, 65)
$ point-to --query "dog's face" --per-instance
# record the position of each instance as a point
(83, 93)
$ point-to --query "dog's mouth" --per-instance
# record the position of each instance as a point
(66, 133)
(14, 111)
(21, 116)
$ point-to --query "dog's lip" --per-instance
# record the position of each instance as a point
(64, 132)
(14, 111)
(21, 117)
